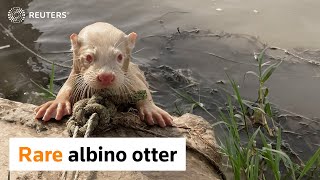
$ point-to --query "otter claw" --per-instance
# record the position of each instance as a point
(53, 109)
(152, 114)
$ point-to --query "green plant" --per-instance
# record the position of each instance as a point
(250, 161)
(315, 159)
(258, 157)
(246, 158)
(193, 102)
(49, 93)
(262, 108)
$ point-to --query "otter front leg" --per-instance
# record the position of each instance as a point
(59, 107)
(148, 111)
(152, 114)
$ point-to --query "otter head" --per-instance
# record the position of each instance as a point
(101, 56)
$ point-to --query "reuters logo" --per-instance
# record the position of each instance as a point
(16, 15)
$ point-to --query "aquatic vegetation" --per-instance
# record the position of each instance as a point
(193, 103)
(256, 155)
(260, 156)
(49, 92)
(262, 108)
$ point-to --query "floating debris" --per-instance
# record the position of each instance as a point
(255, 11)
(221, 82)
(218, 9)
(214, 91)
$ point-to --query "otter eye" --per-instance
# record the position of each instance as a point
(89, 58)
(120, 57)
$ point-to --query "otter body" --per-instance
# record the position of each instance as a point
(101, 62)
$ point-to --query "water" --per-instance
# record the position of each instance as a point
(227, 28)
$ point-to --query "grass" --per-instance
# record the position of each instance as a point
(258, 155)
(262, 108)
(193, 102)
(48, 92)
(247, 159)
(250, 161)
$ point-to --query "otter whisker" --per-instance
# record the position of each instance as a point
(77, 92)
(137, 51)
(79, 87)
(116, 42)
(120, 43)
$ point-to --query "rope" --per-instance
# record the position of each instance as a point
(102, 112)
(95, 113)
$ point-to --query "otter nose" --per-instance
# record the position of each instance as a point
(106, 78)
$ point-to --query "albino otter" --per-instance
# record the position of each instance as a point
(101, 61)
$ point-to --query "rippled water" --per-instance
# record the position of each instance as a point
(227, 28)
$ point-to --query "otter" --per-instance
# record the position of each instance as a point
(101, 61)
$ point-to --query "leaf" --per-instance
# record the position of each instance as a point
(237, 93)
(268, 156)
(219, 122)
(44, 89)
(268, 72)
(248, 103)
(191, 100)
(310, 163)
(278, 148)
(285, 158)
(192, 107)
(260, 59)
(239, 116)
(250, 72)
(258, 109)
(266, 92)
(265, 64)
(252, 138)
(51, 78)
(267, 109)
(261, 55)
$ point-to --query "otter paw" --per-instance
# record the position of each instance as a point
(53, 109)
(152, 114)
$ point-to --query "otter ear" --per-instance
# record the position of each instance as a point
(132, 39)
(74, 41)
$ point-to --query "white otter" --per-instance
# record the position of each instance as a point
(101, 61)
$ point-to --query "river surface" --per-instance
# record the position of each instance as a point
(232, 30)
